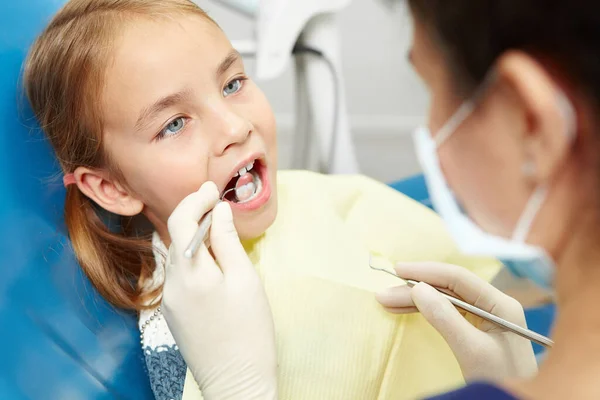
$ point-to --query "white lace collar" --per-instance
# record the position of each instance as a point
(160, 254)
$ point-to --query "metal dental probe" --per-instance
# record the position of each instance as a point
(514, 328)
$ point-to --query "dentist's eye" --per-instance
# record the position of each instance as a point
(233, 87)
(173, 128)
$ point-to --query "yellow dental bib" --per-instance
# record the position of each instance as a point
(334, 340)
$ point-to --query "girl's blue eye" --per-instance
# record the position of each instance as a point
(232, 87)
(174, 126)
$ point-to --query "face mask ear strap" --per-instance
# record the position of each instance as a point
(454, 122)
(464, 110)
(539, 195)
(567, 111)
(532, 207)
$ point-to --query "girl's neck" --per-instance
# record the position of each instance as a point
(160, 227)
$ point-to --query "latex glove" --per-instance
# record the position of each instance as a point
(483, 350)
(219, 317)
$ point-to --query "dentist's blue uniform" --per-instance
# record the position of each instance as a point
(476, 391)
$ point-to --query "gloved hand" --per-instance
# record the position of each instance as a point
(483, 350)
(219, 317)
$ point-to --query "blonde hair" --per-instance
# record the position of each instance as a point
(63, 78)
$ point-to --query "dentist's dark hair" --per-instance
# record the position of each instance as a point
(474, 33)
(64, 77)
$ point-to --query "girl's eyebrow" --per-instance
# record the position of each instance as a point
(227, 62)
(149, 112)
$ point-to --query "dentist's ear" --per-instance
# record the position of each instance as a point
(108, 194)
(550, 118)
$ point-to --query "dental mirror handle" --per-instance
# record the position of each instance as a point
(200, 236)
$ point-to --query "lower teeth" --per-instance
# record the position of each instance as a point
(244, 192)
(250, 190)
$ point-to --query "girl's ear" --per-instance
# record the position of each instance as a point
(107, 193)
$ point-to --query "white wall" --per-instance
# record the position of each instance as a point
(385, 99)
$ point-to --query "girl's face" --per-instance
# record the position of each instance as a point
(179, 110)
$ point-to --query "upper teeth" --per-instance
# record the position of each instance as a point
(245, 169)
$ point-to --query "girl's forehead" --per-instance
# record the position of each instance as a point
(164, 48)
(167, 36)
(155, 58)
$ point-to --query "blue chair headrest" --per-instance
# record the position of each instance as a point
(60, 339)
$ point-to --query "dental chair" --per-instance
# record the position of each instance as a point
(60, 339)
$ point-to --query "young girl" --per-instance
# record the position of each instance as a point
(143, 101)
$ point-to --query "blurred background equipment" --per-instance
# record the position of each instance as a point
(309, 31)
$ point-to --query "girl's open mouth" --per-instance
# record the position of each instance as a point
(249, 189)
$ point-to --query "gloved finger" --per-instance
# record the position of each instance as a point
(175, 257)
(183, 222)
(224, 240)
(445, 318)
(403, 310)
(205, 268)
(395, 297)
(199, 272)
(460, 281)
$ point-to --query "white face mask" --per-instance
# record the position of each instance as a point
(522, 259)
